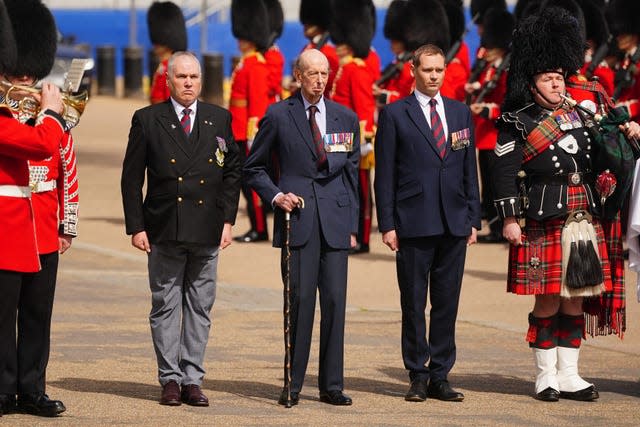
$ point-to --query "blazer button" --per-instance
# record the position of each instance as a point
(172, 160)
(202, 182)
(210, 160)
(179, 179)
(200, 202)
(179, 199)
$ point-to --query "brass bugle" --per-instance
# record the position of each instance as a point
(28, 107)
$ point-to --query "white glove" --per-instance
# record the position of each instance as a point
(366, 149)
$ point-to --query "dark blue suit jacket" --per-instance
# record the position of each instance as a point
(333, 192)
(418, 193)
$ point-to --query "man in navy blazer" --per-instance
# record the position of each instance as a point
(428, 210)
(316, 143)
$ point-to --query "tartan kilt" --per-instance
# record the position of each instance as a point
(535, 266)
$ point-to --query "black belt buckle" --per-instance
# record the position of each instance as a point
(574, 178)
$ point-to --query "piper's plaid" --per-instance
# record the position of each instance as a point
(542, 247)
(545, 134)
(606, 314)
(592, 86)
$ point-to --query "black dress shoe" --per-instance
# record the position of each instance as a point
(441, 390)
(7, 404)
(585, 395)
(39, 404)
(283, 397)
(335, 397)
(252, 236)
(548, 395)
(417, 392)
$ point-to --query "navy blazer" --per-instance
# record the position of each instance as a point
(285, 132)
(193, 184)
(418, 193)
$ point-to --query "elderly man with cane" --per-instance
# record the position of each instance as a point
(317, 145)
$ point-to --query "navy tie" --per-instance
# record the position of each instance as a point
(437, 129)
(186, 121)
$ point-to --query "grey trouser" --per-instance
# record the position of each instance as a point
(182, 278)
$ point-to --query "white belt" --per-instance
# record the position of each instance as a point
(42, 186)
(15, 191)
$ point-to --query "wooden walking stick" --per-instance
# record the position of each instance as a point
(287, 305)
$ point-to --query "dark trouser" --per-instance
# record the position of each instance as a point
(437, 262)
(28, 299)
(487, 193)
(366, 206)
(255, 209)
(317, 266)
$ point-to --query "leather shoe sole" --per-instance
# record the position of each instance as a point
(548, 395)
(336, 398)
(586, 395)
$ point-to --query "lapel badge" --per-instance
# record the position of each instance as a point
(173, 126)
(220, 157)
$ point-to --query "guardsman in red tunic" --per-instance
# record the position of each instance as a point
(315, 22)
(625, 25)
(168, 34)
(598, 36)
(352, 31)
(28, 265)
(486, 95)
(250, 96)
(459, 68)
(273, 55)
(397, 79)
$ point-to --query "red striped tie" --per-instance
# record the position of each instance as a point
(186, 121)
(437, 129)
(317, 137)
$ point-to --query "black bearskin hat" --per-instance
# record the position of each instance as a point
(250, 21)
(455, 15)
(36, 37)
(395, 20)
(550, 40)
(7, 43)
(353, 24)
(276, 19)
(525, 8)
(427, 22)
(569, 5)
(595, 21)
(624, 16)
(166, 26)
(480, 7)
(498, 29)
(316, 12)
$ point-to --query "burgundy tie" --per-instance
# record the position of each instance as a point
(437, 129)
(317, 137)
(186, 121)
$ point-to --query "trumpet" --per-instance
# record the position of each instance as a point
(28, 107)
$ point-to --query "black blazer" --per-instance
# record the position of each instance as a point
(193, 184)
